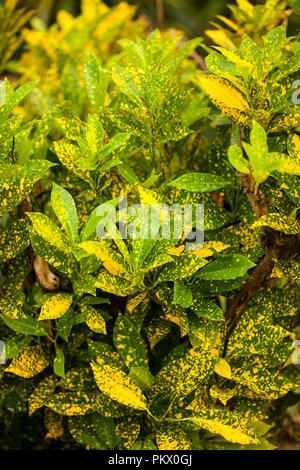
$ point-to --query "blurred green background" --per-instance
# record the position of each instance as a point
(192, 16)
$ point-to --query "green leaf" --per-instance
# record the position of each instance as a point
(273, 42)
(235, 156)
(84, 432)
(231, 426)
(262, 162)
(11, 305)
(261, 382)
(183, 295)
(281, 223)
(55, 306)
(89, 228)
(65, 210)
(141, 249)
(50, 243)
(94, 319)
(258, 140)
(28, 363)
(65, 325)
(183, 266)
(197, 365)
(130, 82)
(226, 267)
(199, 182)
(94, 134)
(85, 285)
(204, 333)
(16, 97)
(78, 378)
(97, 81)
(255, 334)
(251, 51)
(73, 159)
(144, 445)
(128, 174)
(48, 231)
(115, 284)
(15, 345)
(105, 430)
(172, 437)
(295, 4)
(118, 142)
(14, 240)
(41, 393)
(105, 354)
(141, 377)
(206, 308)
(77, 403)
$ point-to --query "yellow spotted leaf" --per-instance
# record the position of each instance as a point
(128, 429)
(133, 302)
(231, 426)
(94, 319)
(113, 262)
(172, 437)
(115, 284)
(41, 393)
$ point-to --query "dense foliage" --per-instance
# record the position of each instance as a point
(141, 343)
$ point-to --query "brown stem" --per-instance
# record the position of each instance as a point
(24, 207)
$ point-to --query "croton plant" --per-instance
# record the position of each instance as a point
(142, 342)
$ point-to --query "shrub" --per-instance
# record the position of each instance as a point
(143, 343)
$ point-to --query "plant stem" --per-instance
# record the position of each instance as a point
(280, 246)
